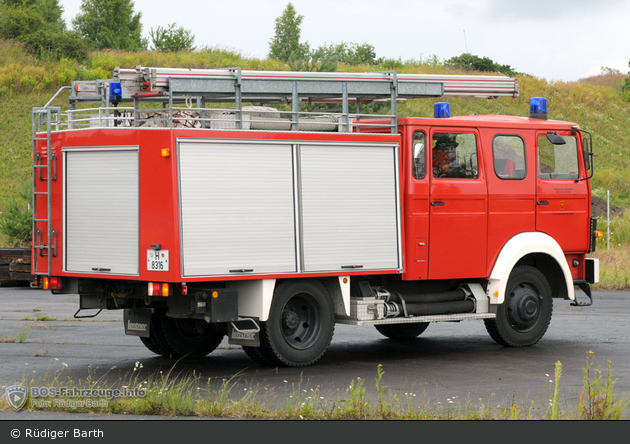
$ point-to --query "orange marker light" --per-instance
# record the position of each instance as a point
(215, 294)
(166, 152)
(599, 234)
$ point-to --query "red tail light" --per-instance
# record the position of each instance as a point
(158, 289)
(52, 283)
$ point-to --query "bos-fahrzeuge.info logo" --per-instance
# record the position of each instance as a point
(17, 395)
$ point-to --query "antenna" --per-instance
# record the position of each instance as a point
(465, 42)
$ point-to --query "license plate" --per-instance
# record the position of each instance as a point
(157, 260)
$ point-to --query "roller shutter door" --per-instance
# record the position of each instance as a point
(101, 210)
(349, 208)
(236, 208)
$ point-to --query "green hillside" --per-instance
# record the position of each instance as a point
(595, 104)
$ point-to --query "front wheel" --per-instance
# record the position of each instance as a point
(523, 318)
(300, 326)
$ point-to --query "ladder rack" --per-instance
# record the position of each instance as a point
(173, 86)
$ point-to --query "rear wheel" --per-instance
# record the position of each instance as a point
(300, 326)
(193, 338)
(523, 318)
(256, 354)
(402, 331)
(156, 342)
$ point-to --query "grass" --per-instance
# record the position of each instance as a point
(24, 333)
(171, 394)
(614, 256)
(20, 336)
(5, 339)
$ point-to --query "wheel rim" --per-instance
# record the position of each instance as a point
(524, 306)
(300, 322)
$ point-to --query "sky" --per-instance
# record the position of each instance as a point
(558, 40)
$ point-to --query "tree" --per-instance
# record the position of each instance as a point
(285, 45)
(17, 20)
(110, 24)
(39, 24)
(47, 44)
(172, 39)
(52, 12)
(472, 62)
(349, 53)
(26, 10)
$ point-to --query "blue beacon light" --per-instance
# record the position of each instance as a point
(115, 91)
(538, 108)
(442, 110)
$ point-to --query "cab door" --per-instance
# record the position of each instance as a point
(458, 206)
(561, 198)
(417, 206)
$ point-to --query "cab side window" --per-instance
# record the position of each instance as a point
(508, 153)
(454, 156)
(419, 153)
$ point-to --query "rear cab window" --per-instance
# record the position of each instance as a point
(419, 153)
(509, 159)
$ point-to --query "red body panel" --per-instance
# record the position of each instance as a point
(463, 237)
(459, 239)
(158, 194)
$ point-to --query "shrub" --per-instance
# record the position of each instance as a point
(16, 222)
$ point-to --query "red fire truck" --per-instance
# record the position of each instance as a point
(256, 205)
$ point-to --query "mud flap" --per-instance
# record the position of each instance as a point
(137, 322)
(244, 332)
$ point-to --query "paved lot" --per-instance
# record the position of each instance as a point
(449, 361)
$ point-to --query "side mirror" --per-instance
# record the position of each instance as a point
(587, 151)
(556, 139)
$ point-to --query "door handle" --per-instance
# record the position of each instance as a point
(542, 202)
(437, 203)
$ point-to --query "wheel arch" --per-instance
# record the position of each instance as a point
(255, 296)
(535, 249)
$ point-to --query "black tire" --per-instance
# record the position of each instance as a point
(523, 318)
(156, 342)
(256, 355)
(300, 326)
(152, 345)
(191, 338)
(402, 331)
